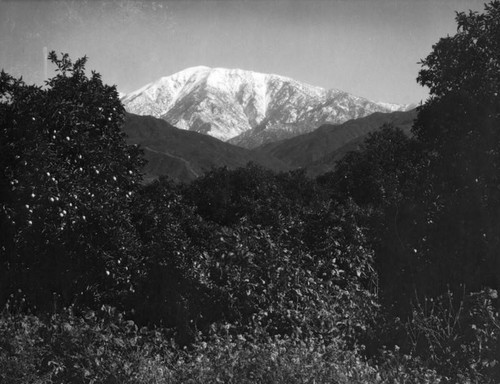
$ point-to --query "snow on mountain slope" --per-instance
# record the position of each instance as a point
(244, 107)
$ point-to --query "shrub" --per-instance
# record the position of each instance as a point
(459, 337)
(256, 357)
(103, 347)
(96, 347)
(272, 275)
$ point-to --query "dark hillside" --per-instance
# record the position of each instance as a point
(319, 145)
(185, 155)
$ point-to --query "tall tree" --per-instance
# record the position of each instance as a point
(65, 180)
(459, 127)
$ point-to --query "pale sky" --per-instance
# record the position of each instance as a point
(370, 48)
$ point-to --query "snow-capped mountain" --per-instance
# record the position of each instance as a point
(246, 108)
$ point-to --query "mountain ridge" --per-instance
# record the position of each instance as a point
(185, 155)
(246, 108)
(317, 151)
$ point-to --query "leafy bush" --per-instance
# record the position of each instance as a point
(257, 357)
(103, 347)
(96, 347)
(310, 272)
(172, 286)
(460, 338)
(273, 276)
(224, 358)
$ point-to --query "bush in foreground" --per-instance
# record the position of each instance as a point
(460, 337)
(91, 348)
(103, 347)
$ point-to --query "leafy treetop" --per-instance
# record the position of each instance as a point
(66, 176)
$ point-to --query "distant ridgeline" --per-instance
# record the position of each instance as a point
(247, 108)
(184, 155)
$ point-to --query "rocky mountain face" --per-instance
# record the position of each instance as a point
(246, 108)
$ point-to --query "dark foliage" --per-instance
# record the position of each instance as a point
(172, 289)
(458, 335)
(226, 196)
(268, 267)
(90, 347)
(381, 179)
(66, 179)
(458, 128)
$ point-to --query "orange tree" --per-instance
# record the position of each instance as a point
(66, 175)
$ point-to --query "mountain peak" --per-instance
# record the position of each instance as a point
(249, 108)
(188, 72)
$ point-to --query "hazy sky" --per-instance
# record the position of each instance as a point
(370, 48)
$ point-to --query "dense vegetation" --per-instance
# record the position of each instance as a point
(384, 270)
